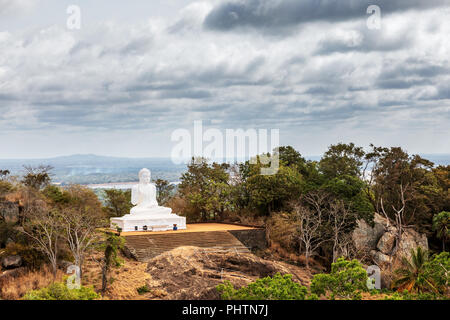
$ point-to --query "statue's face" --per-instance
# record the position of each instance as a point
(145, 178)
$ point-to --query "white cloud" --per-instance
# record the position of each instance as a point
(337, 80)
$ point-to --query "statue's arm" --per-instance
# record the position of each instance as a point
(153, 195)
(134, 196)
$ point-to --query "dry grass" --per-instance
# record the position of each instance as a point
(124, 280)
(16, 285)
(277, 253)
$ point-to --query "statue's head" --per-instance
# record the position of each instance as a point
(144, 176)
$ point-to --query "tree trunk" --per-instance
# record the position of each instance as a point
(104, 278)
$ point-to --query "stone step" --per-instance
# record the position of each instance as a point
(147, 246)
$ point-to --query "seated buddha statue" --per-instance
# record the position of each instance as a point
(143, 197)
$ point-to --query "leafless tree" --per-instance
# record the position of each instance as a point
(340, 218)
(399, 220)
(80, 233)
(80, 222)
(309, 220)
(43, 226)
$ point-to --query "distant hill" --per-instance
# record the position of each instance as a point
(95, 169)
(90, 168)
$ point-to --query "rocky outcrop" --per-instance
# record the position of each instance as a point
(194, 273)
(380, 240)
(11, 262)
(364, 236)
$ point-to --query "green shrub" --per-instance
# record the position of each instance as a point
(436, 273)
(346, 280)
(406, 295)
(277, 288)
(60, 291)
(144, 289)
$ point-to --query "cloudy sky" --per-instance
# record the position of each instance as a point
(138, 70)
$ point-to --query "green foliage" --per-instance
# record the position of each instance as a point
(437, 271)
(206, 188)
(56, 195)
(411, 275)
(342, 159)
(269, 192)
(144, 289)
(406, 295)
(111, 246)
(164, 191)
(60, 291)
(402, 181)
(346, 280)
(441, 225)
(117, 202)
(277, 287)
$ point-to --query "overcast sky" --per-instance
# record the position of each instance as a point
(137, 70)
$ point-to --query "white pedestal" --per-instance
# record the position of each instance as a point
(164, 222)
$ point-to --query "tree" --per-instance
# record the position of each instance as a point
(441, 225)
(396, 188)
(37, 177)
(164, 191)
(206, 187)
(43, 226)
(80, 220)
(341, 220)
(269, 193)
(342, 159)
(289, 157)
(309, 218)
(111, 246)
(410, 276)
(118, 202)
(346, 280)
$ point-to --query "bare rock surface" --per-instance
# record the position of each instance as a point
(193, 272)
(380, 240)
(11, 262)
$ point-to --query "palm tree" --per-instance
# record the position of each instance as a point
(441, 224)
(411, 276)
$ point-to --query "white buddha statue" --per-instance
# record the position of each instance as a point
(147, 215)
(143, 196)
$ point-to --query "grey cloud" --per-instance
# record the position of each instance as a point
(267, 14)
(401, 83)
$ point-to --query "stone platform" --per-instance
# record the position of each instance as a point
(209, 236)
(155, 223)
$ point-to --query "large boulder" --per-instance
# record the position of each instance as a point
(366, 237)
(387, 241)
(411, 240)
(11, 262)
(380, 242)
(187, 273)
(382, 260)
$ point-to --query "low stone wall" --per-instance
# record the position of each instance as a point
(254, 239)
